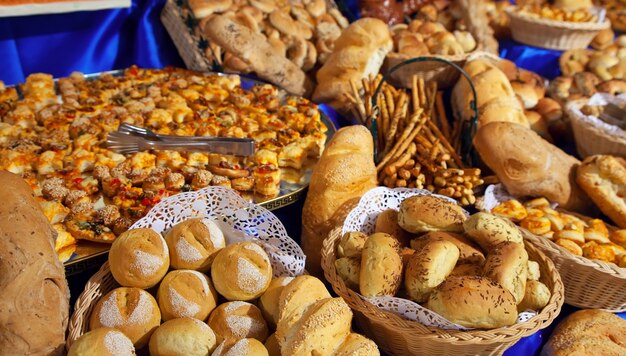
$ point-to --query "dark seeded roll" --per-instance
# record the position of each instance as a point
(426, 213)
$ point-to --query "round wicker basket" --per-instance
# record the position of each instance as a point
(552, 34)
(399, 336)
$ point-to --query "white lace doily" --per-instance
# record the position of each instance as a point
(239, 219)
(363, 218)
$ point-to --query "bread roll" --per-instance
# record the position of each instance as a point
(507, 264)
(139, 258)
(132, 311)
(428, 268)
(469, 251)
(474, 302)
(186, 293)
(357, 345)
(194, 243)
(589, 333)
(34, 303)
(533, 270)
(272, 346)
(102, 341)
(536, 296)
(467, 269)
(243, 347)
(529, 166)
(183, 336)
(238, 320)
(489, 230)
(268, 302)
(349, 269)
(387, 222)
(603, 178)
(359, 53)
(381, 266)
(342, 175)
(351, 244)
(241, 271)
(424, 213)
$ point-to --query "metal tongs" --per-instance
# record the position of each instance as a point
(615, 115)
(130, 139)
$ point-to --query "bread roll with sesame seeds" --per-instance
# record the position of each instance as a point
(429, 267)
(241, 271)
(507, 264)
(381, 266)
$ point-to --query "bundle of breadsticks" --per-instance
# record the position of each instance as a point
(413, 138)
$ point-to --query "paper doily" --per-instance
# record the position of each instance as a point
(363, 218)
(239, 219)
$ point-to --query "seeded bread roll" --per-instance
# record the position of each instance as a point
(132, 311)
(357, 345)
(507, 264)
(424, 213)
(381, 266)
(241, 271)
(243, 347)
(139, 258)
(102, 341)
(194, 243)
(186, 293)
(387, 222)
(183, 336)
(489, 230)
(238, 320)
(268, 303)
(469, 251)
(468, 269)
(351, 244)
(536, 296)
(474, 302)
(349, 269)
(428, 268)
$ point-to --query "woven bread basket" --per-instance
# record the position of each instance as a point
(593, 140)
(552, 34)
(398, 336)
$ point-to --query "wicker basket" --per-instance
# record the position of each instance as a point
(399, 336)
(552, 34)
(592, 140)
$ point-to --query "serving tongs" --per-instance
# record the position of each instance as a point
(614, 114)
(130, 139)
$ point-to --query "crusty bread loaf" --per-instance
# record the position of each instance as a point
(424, 213)
(381, 266)
(603, 178)
(254, 49)
(34, 302)
(342, 175)
(428, 268)
(489, 230)
(507, 264)
(359, 53)
(529, 166)
(469, 251)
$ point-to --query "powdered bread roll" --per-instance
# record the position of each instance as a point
(428, 268)
(381, 266)
(507, 264)
(243, 347)
(238, 320)
(183, 336)
(357, 345)
(139, 258)
(268, 303)
(349, 269)
(186, 293)
(241, 271)
(424, 213)
(489, 230)
(536, 296)
(272, 346)
(132, 311)
(351, 244)
(474, 302)
(194, 243)
(603, 178)
(102, 341)
(469, 251)
(387, 222)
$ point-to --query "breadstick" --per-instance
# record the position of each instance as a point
(405, 134)
(441, 114)
(447, 145)
(389, 96)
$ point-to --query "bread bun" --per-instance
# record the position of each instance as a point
(603, 178)
(186, 293)
(139, 258)
(549, 109)
(469, 250)
(132, 311)
(527, 92)
(387, 222)
(536, 296)
(238, 320)
(489, 230)
(381, 266)
(183, 336)
(357, 345)
(534, 273)
(102, 341)
(349, 269)
(242, 347)
(474, 302)
(424, 213)
(268, 302)
(241, 271)
(603, 39)
(507, 264)
(194, 243)
(428, 268)
(351, 244)
(467, 269)
(272, 346)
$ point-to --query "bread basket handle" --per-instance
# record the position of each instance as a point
(469, 126)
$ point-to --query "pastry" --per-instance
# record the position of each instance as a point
(351, 244)
(536, 296)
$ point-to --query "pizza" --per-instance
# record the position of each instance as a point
(54, 135)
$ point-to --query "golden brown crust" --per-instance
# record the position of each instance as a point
(185, 293)
(489, 230)
(428, 268)
(98, 342)
(182, 336)
(194, 243)
(469, 251)
(424, 213)
(268, 302)
(536, 296)
(507, 264)
(603, 178)
(238, 320)
(381, 266)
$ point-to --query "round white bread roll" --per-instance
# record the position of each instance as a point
(381, 266)
(474, 302)
(536, 296)
(268, 302)
(429, 267)
(242, 347)
(132, 311)
(194, 244)
(424, 213)
(349, 269)
(351, 244)
(186, 293)
(507, 264)
(241, 271)
(488, 230)
(238, 320)
(102, 341)
(272, 346)
(183, 336)
(139, 258)
(387, 222)
(357, 345)
(469, 251)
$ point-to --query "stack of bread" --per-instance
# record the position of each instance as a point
(474, 271)
(189, 293)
